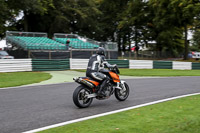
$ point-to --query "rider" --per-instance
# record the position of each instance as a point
(95, 66)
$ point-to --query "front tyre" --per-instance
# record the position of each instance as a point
(122, 94)
(80, 97)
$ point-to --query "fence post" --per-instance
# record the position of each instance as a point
(71, 53)
(29, 54)
(108, 54)
(49, 54)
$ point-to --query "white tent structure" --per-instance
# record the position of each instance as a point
(3, 44)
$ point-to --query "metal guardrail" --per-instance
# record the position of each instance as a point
(78, 63)
(162, 64)
(195, 66)
(50, 65)
(182, 65)
(140, 64)
(82, 63)
(15, 65)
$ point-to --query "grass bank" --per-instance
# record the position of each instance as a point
(156, 72)
(22, 78)
(177, 116)
(159, 72)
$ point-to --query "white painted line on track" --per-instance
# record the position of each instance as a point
(108, 113)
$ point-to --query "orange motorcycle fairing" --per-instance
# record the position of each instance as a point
(93, 82)
(114, 76)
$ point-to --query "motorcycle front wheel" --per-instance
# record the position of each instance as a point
(123, 94)
(80, 97)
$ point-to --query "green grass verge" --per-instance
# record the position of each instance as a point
(176, 116)
(156, 72)
(159, 72)
(22, 78)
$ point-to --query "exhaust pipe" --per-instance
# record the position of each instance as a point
(83, 81)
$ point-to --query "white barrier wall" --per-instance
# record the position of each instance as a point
(182, 65)
(140, 64)
(15, 65)
(78, 63)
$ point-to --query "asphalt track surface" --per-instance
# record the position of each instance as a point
(27, 108)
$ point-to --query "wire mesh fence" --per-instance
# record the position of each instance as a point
(26, 34)
(79, 42)
(148, 55)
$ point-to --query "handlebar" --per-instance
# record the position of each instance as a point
(114, 69)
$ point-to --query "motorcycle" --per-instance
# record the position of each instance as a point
(83, 95)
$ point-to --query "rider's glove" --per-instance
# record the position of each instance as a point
(114, 65)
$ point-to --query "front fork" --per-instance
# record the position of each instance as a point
(121, 86)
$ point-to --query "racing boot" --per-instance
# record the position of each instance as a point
(101, 92)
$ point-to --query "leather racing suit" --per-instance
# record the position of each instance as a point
(95, 65)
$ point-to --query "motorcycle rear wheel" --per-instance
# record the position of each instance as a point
(122, 95)
(80, 97)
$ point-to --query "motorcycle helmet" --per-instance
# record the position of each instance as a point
(101, 51)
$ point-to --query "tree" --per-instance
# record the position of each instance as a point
(7, 16)
(109, 21)
(134, 22)
(196, 41)
(171, 15)
(30, 7)
(66, 16)
(196, 34)
(184, 12)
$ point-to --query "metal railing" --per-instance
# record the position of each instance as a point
(26, 34)
(109, 46)
(148, 55)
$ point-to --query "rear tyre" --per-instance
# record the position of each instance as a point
(80, 97)
(122, 95)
